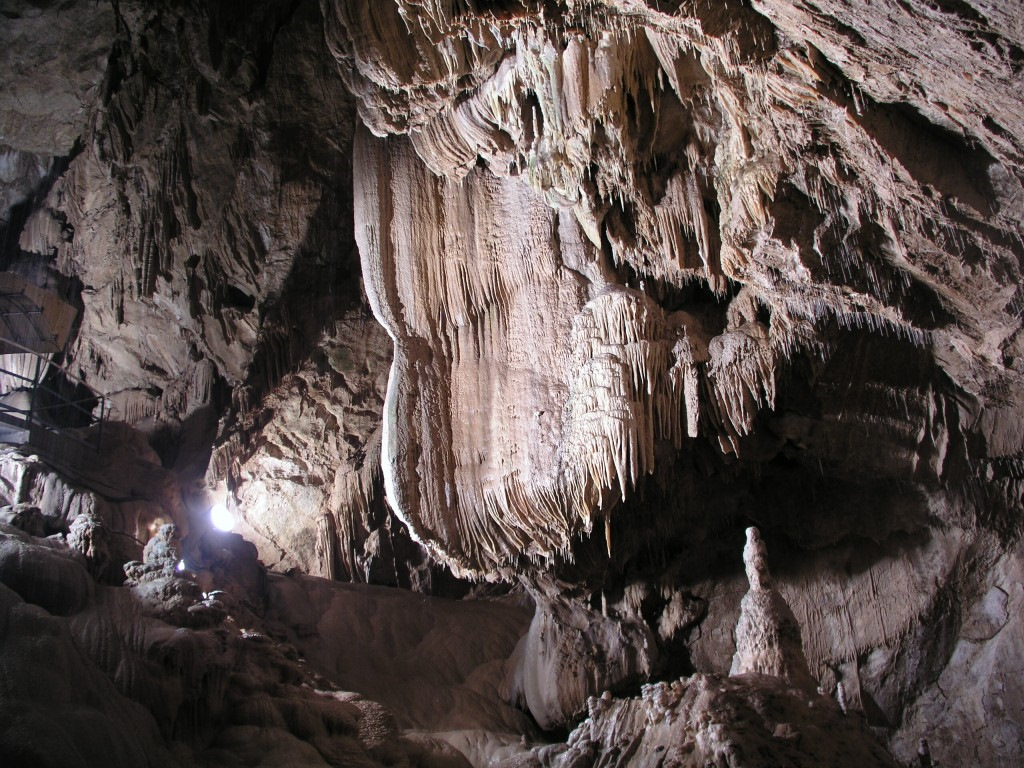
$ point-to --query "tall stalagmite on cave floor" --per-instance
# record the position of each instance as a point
(559, 296)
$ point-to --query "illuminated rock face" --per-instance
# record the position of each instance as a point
(160, 674)
(550, 191)
(565, 294)
(757, 272)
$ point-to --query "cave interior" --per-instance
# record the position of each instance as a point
(511, 383)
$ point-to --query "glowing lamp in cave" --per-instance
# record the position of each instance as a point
(221, 518)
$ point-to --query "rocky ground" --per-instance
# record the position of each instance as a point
(200, 656)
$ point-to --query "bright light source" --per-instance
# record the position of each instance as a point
(221, 518)
(181, 565)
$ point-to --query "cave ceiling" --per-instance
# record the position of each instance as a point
(615, 246)
(608, 235)
(558, 293)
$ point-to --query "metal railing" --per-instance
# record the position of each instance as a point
(18, 310)
(49, 408)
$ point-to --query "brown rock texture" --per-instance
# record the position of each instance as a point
(767, 633)
(706, 203)
(629, 251)
(556, 295)
(753, 720)
(99, 675)
(192, 197)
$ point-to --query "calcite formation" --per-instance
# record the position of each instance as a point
(705, 199)
(208, 666)
(705, 720)
(767, 633)
(558, 296)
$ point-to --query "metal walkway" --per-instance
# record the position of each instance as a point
(37, 396)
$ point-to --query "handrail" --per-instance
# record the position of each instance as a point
(63, 401)
(63, 370)
(27, 309)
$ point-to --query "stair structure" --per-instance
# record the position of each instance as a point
(38, 398)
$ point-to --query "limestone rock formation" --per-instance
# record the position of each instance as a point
(304, 466)
(555, 295)
(651, 150)
(767, 633)
(109, 501)
(708, 720)
(571, 654)
(765, 713)
(183, 177)
(160, 673)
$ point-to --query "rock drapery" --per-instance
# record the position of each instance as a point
(635, 152)
(646, 273)
(751, 244)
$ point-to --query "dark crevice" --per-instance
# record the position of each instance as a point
(933, 155)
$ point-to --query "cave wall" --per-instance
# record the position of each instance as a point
(564, 295)
(668, 151)
(191, 196)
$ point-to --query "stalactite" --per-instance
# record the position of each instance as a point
(761, 190)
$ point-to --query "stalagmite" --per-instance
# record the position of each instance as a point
(767, 633)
